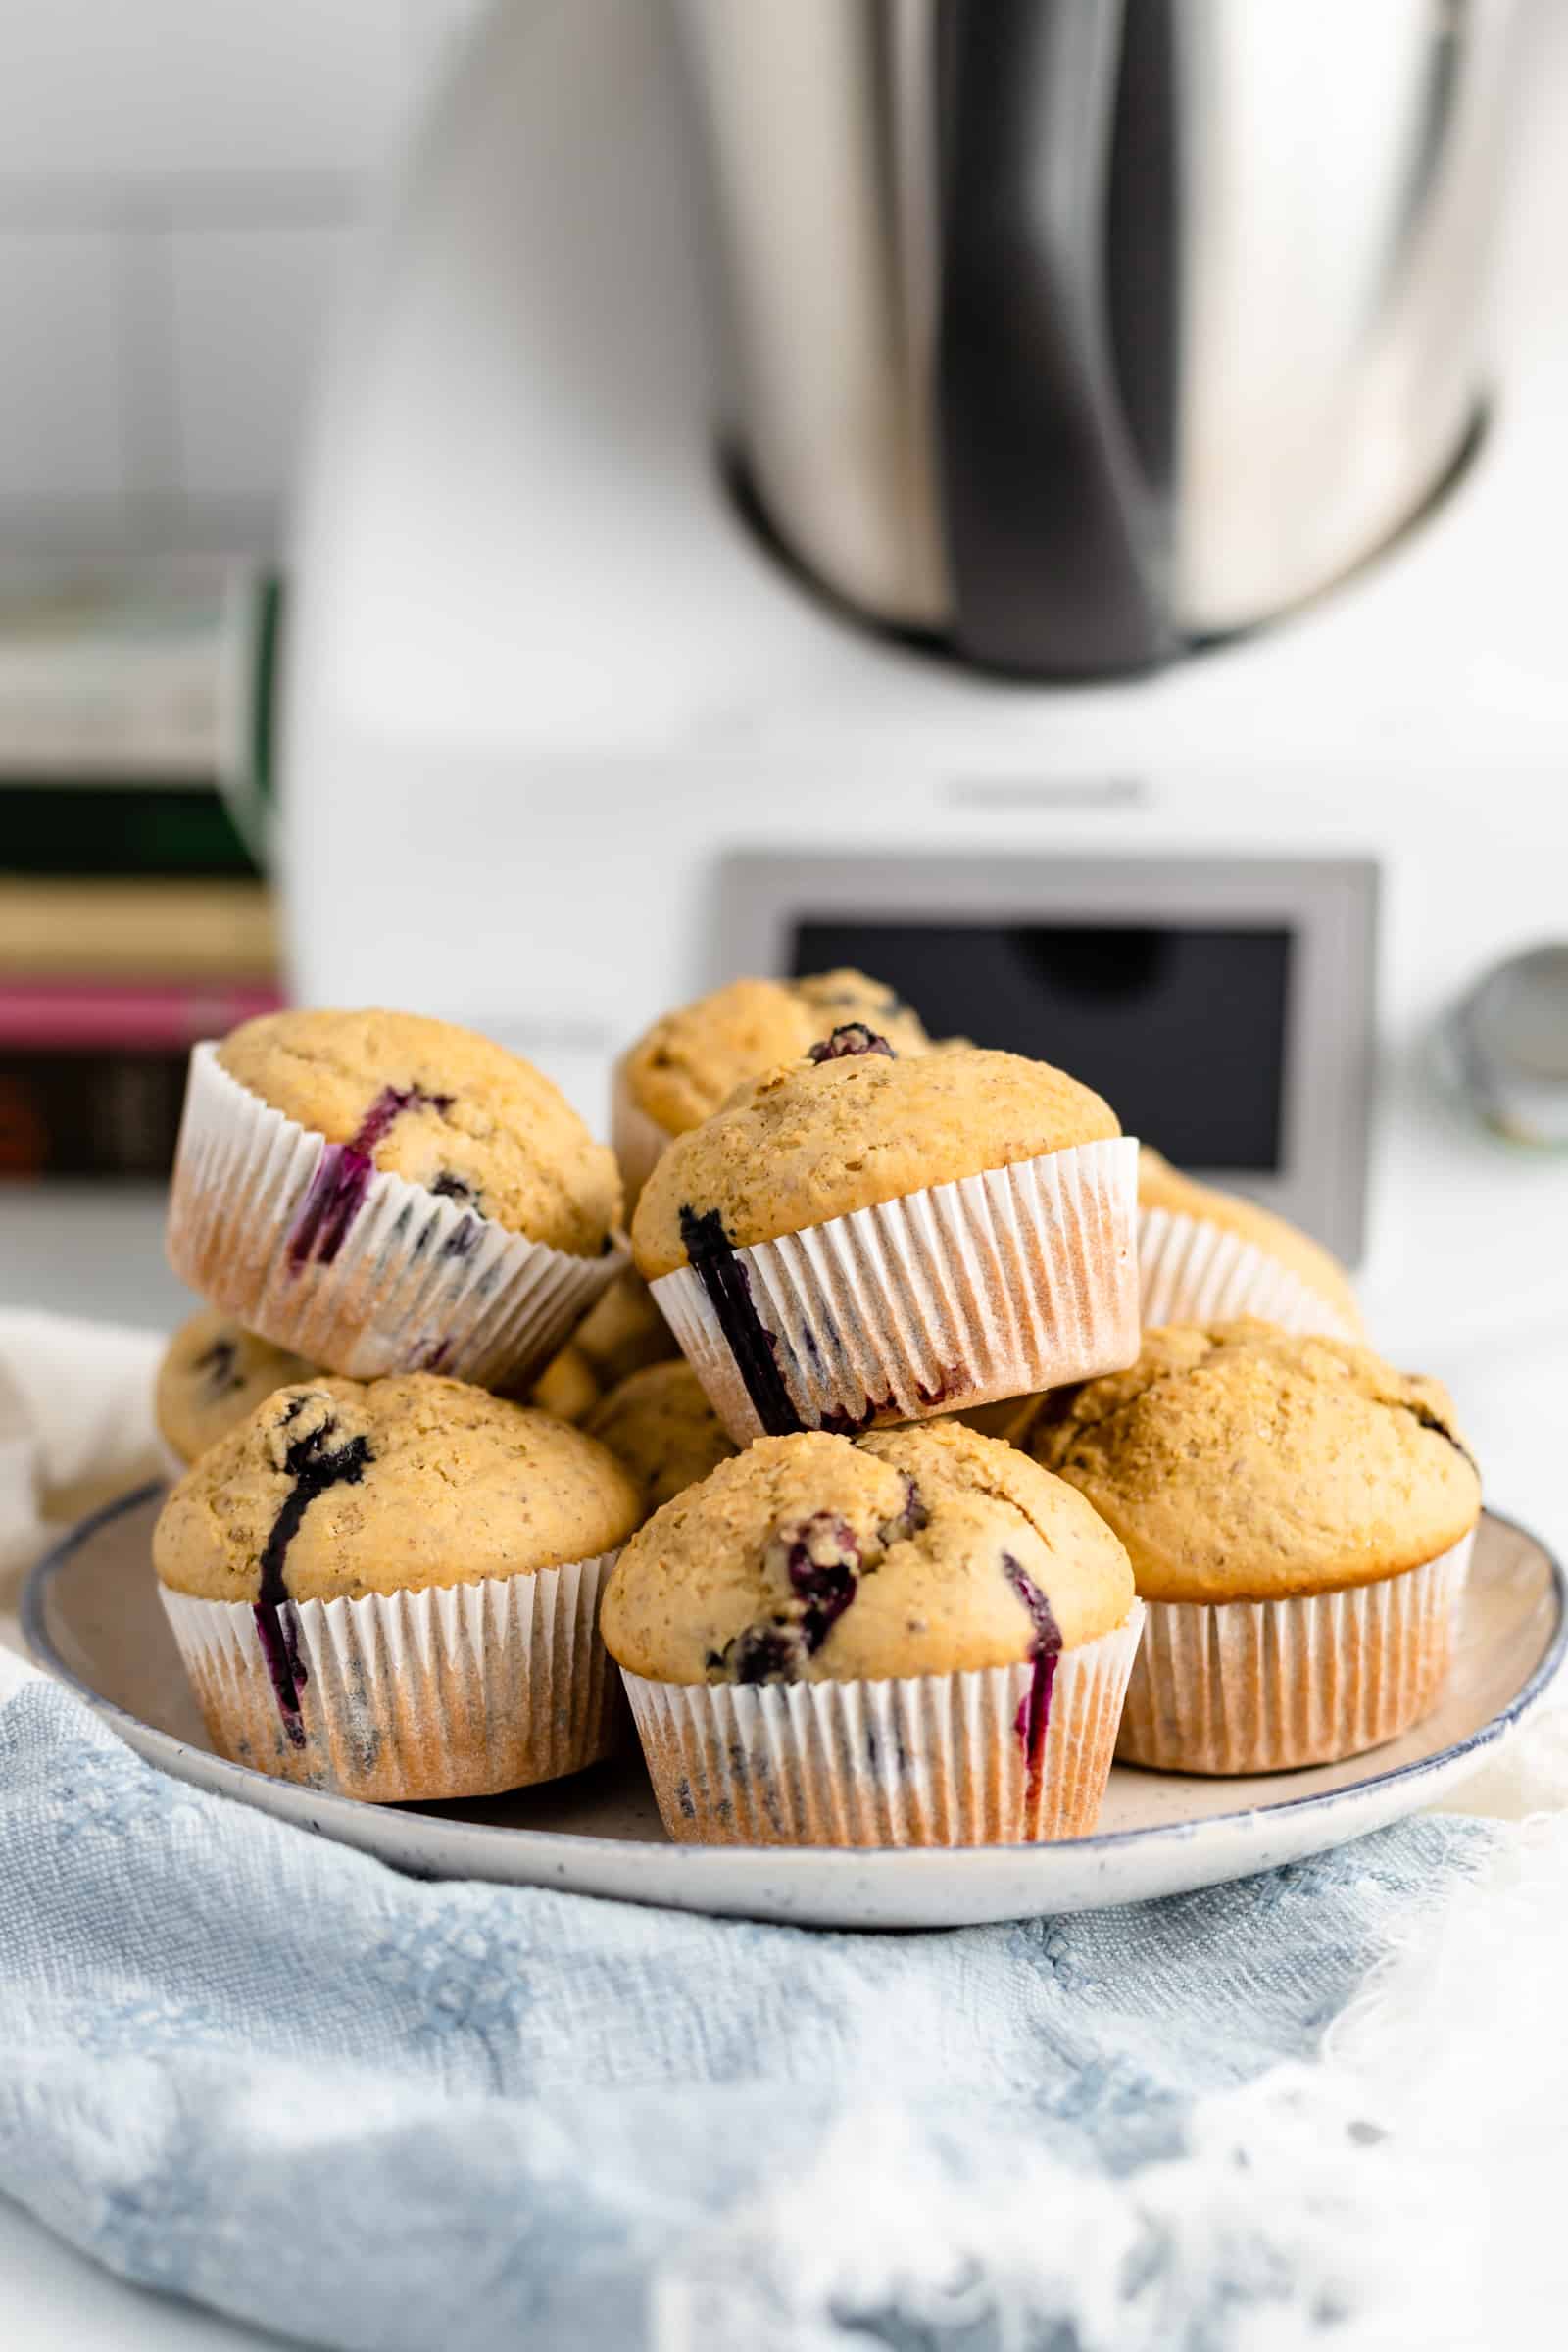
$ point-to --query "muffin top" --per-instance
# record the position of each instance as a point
(441, 1106)
(1161, 1185)
(819, 1138)
(1242, 1462)
(816, 1559)
(681, 1070)
(337, 1487)
(624, 1330)
(214, 1373)
(661, 1427)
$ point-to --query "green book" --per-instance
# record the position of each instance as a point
(136, 716)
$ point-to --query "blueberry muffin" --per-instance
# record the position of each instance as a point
(913, 1637)
(623, 1331)
(858, 1237)
(213, 1375)
(1298, 1517)
(567, 1386)
(1206, 1256)
(391, 1590)
(383, 1193)
(659, 1425)
(681, 1069)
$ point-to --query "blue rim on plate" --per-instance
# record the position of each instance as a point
(221, 1773)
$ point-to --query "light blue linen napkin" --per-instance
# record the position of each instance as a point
(256, 2069)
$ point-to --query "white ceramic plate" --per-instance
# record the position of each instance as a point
(92, 1616)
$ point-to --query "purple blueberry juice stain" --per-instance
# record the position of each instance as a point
(889, 1407)
(313, 1465)
(723, 1276)
(909, 1520)
(1033, 1719)
(337, 1191)
(463, 1239)
(278, 1636)
(824, 1566)
(343, 1176)
(389, 1105)
(764, 1653)
(850, 1038)
(836, 1424)
(821, 1557)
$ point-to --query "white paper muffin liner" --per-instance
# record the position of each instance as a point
(948, 1296)
(391, 1278)
(932, 1759)
(990, 1286)
(638, 1140)
(450, 1691)
(1260, 1685)
(1190, 1270)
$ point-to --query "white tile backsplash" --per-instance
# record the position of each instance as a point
(95, 89)
(60, 389)
(250, 309)
(181, 183)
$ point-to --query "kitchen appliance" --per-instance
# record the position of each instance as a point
(1224, 1005)
(1505, 1047)
(1075, 332)
(564, 743)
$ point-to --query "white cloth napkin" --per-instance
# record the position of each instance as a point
(1409, 2177)
(75, 1428)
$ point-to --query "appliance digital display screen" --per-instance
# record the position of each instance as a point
(1181, 1029)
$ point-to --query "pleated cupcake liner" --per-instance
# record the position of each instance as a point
(1190, 1270)
(987, 1287)
(1262, 1686)
(410, 1697)
(360, 1270)
(638, 1140)
(935, 1759)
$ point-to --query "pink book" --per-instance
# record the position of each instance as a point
(92, 1015)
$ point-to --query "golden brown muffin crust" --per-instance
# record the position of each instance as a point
(681, 1069)
(917, 1550)
(443, 1107)
(390, 1485)
(213, 1374)
(624, 1330)
(1242, 1462)
(659, 1425)
(566, 1387)
(1161, 1185)
(816, 1140)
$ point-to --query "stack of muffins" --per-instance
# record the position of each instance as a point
(867, 1485)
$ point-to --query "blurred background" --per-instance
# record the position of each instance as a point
(183, 191)
(525, 511)
(181, 188)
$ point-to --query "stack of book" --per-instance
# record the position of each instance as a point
(134, 713)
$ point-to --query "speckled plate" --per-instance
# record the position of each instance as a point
(92, 1616)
